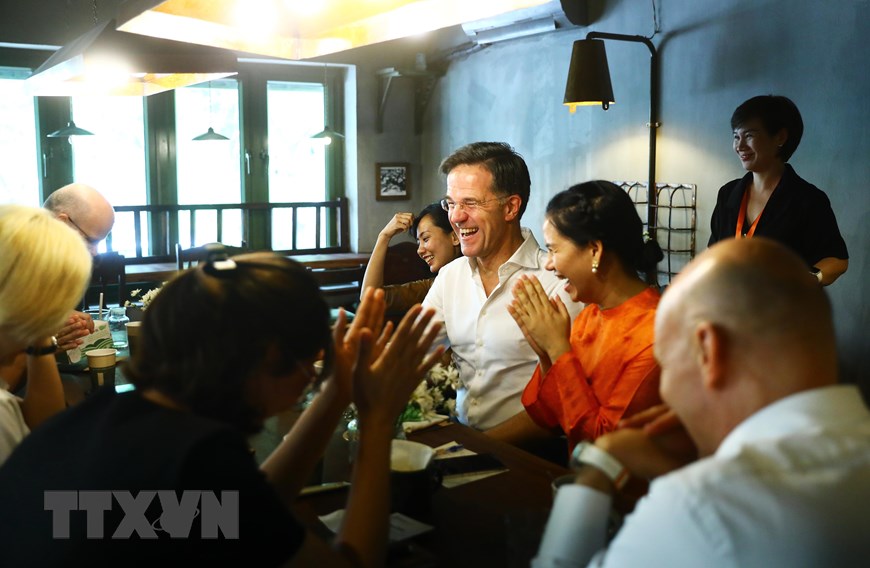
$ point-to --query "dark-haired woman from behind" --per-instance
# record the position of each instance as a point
(771, 200)
(600, 369)
(209, 370)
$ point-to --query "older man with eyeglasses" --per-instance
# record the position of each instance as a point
(84, 209)
(488, 188)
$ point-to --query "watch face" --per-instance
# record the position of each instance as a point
(575, 455)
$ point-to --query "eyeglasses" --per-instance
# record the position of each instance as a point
(467, 204)
(88, 239)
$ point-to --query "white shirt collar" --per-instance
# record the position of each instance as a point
(526, 256)
(801, 412)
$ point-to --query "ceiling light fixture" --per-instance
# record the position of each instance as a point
(340, 25)
(69, 130)
(327, 135)
(104, 61)
(210, 134)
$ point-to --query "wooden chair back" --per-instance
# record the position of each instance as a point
(108, 271)
(186, 258)
(402, 264)
(340, 286)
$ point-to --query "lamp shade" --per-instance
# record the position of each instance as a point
(327, 135)
(210, 134)
(588, 76)
(70, 130)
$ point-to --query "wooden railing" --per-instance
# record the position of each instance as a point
(256, 227)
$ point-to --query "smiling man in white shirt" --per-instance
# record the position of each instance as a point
(746, 343)
(488, 188)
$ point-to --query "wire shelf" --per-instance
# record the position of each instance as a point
(675, 222)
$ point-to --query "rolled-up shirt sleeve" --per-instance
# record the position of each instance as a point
(576, 529)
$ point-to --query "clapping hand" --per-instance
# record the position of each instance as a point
(650, 443)
(387, 373)
(545, 322)
(77, 326)
(369, 317)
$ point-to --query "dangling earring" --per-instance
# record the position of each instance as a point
(594, 267)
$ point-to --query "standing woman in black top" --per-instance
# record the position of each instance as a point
(771, 200)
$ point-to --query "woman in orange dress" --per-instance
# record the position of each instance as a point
(600, 369)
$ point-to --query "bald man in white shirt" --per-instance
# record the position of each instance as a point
(746, 343)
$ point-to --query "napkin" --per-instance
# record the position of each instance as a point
(402, 527)
(454, 449)
(409, 427)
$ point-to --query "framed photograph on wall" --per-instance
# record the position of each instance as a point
(392, 181)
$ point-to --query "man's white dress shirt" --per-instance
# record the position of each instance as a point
(494, 360)
(790, 486)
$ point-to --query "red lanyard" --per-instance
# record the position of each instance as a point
(741, 217)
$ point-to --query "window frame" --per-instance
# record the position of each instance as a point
(54, 158)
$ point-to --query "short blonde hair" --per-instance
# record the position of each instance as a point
(45, 269)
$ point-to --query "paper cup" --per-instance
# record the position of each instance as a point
(413, 478)
(101, 363)
(134, 329)
(410, 456)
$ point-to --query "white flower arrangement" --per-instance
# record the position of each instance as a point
(436, 394)
(146, 298)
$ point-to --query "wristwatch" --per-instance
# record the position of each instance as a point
(45, 350)
(587, 453)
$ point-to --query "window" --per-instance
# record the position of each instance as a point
(18, 184)
(209, 171)
(143, 153)
(297, 163)
(113, 160)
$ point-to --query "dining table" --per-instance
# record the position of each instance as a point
(494, 521)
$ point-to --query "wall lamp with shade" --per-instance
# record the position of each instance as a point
(301, 29)
(104, 61)
(589, 84)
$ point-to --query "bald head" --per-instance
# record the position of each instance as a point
(85, 209)
(759, 291)
(745, 324)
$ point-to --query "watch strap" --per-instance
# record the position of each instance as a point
(44, 350)
(586, 453)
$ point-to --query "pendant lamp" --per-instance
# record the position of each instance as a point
(210, 134)
(70, 130)
(327, 135)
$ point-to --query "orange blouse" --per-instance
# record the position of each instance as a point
(610, 372)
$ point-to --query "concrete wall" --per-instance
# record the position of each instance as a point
(714, 55)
